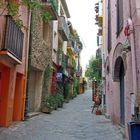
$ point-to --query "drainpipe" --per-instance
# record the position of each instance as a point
(134, 66)
(26, 112)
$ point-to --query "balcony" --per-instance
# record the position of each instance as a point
(96, 7)
(12, 44)
(51, 6)
(63, 28)
(99, 20)
(100, 32)
(70, 47)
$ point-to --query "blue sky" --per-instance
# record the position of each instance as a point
(82, 18)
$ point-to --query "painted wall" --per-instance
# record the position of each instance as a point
(15, 76)
(112, 88)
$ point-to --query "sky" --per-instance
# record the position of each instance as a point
(83, 20)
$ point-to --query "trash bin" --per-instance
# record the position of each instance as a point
(134, 130)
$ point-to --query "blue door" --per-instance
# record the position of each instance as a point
(122, 105)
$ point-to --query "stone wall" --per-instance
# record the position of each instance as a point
(41, 58)
(42, 43)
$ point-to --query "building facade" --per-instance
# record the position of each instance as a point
(34, 57)
(40, 57)
(14, 42)
(121, 33)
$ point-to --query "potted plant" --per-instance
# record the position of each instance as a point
(47, 104)
(60, 100)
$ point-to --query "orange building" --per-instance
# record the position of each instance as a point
(14, 42)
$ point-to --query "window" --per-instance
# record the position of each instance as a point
(119, 16)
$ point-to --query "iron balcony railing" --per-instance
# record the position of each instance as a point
(13, 42)
(63, 28)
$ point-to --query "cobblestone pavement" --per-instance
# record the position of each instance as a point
(73, 122)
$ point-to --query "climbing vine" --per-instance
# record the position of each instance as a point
(34, 5)
(47, 74)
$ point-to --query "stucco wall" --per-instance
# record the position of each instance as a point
(112, 87)
(10, 112)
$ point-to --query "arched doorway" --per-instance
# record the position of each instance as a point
(119, 73)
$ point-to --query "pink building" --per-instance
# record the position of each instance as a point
(14, 42)
(122, 51)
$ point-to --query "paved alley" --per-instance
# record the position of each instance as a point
(73, 122)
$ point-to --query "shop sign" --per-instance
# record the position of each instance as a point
(59, 77)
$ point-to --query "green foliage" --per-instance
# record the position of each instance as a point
(26, 3)
(53, 101)
(68, 90)
(47, 74)
(74, 65)
(12, 8)
(47, 100)
(59, 89)
(19, 23)
(34, 5)
(45, 16)
(94, 69)
(59, 99)
(76, 87)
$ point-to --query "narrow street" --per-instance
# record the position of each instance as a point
(73, 122)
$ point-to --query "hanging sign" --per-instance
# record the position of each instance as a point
(59, 77)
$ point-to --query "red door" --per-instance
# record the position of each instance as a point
(4, 95)
(0, 87)
(0, 81)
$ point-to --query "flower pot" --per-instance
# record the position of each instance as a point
(46, 109)
(98, 112)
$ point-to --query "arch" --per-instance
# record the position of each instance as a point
(117, 68)
(118, 58)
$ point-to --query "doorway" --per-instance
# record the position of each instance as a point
(4, 91)
(18, 98)
(0, 88)
(35, 90)
(119, 73)
(122, 105)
